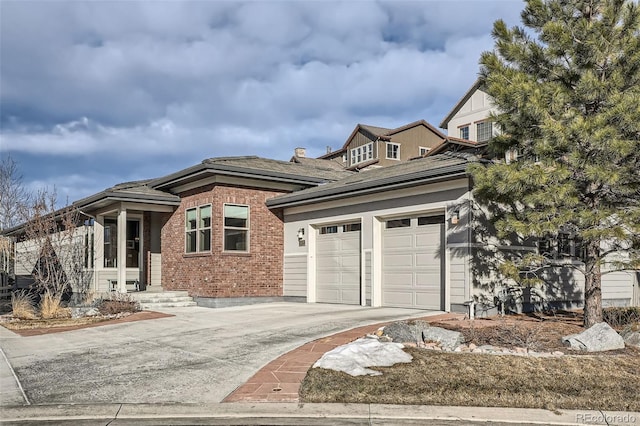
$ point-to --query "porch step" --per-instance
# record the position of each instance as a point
(166, 299)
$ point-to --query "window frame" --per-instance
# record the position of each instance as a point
(198, 229)
(361, 153)
(425, 149)
(247, 229)
(397, 151)
(462, 129)
(489, 124)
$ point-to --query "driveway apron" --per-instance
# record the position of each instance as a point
(200, 355)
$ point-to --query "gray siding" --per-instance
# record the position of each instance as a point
(617, 289)
(295, 275)
(458, 277)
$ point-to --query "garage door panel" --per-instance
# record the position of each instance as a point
(338, 267)
(398, 241)
(428, 260)
(412, 265)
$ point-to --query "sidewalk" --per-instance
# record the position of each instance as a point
(279, 381)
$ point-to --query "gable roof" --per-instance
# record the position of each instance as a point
(460, 103)
(409, 173)
(375, 132)
(253, 167)
(454, 144)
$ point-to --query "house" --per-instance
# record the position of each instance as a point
(205, 229)
(469, 119)
(371, 146)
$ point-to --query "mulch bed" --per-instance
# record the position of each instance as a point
(59, 328)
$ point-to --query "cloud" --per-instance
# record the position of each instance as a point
(171, 83)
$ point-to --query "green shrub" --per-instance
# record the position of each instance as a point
(620, 317)
(116, 303)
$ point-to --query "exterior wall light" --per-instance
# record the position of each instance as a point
(455, 217)
(301, 233)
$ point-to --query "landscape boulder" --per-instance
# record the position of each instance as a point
(406, 331)
(631, 336)
(354, 358)
(600, 337)
(447, 339)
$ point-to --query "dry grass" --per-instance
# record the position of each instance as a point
(22, 306)
(50, 307)
(608, 382)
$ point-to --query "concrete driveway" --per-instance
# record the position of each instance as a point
(198, 356)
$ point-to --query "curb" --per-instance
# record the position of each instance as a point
(289, 413)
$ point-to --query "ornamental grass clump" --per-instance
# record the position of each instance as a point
(22, 305)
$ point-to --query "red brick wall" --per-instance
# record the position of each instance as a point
(218, 274)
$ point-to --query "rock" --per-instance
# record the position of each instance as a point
(472, 346)
(447, 339)
(601, 337)
(631, 337)
(557, 353)
(83, 311)
(406, 331)
(354, 358)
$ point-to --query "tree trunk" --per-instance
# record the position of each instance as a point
(592, 286)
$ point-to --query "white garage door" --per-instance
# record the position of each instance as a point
(412, 262)
(338, 264)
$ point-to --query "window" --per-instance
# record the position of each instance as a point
(352, 227)
(110, 243)
(430, 220)
(484, 131)
(398, 223)
(362, 153)
(329, 230)
(236, 228)
(393, 151)
(198, 229)
(423, 151)
(511, 155)
(464, 132)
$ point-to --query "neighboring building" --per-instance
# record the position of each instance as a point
(371, 146)
(469, 118)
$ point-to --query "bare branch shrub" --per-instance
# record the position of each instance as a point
(116, 303)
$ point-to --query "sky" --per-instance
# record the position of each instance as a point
(102, 92)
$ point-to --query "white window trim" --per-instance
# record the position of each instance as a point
(490, 123)
(361, 153)
(423, 148)
(466, 126)
(386, 148)
(248, 229)
(198, 229)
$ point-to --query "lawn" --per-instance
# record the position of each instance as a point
(603, 382)
(606, 381)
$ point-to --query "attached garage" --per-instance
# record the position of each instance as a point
(338, 264)
(413, 262)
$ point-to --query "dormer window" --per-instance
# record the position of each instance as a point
(393, 151)
(362, 153)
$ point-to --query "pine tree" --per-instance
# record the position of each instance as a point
(567, 87)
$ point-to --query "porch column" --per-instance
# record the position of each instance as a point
(122, 249)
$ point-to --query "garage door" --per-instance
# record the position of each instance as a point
(338, 264)
(412, 262)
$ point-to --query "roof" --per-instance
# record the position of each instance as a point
(460, 103)
(317, 162)
(405, 174)
(254, 167)
(137, 191)
(454, 144)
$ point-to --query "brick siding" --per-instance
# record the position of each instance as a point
(218, 274)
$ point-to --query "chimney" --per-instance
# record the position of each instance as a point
(328, 149)
(300, 152)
